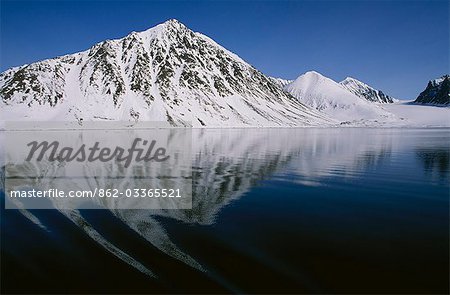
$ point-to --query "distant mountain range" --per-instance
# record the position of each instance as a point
(335, 100)
(437, 92)
(170, 73)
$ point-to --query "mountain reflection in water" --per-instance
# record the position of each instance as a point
(274, 210)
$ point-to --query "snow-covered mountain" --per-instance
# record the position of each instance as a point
(336, 101)
(436, 93)
(166, 73)
(365, 91)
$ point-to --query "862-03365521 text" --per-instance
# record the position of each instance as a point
(98, 193)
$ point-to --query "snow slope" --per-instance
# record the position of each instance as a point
(337, 102)
(166, 73)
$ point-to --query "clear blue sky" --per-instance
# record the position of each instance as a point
(396, 46)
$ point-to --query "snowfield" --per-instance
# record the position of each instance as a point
(413, 115)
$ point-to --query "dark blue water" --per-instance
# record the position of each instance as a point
(275, 210)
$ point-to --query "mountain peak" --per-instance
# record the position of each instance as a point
(351, 80)
(174, 23)
(170, 26)
(311, 76)
(437, 92)
(440, 79)
(313, 73)
(365, 91)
